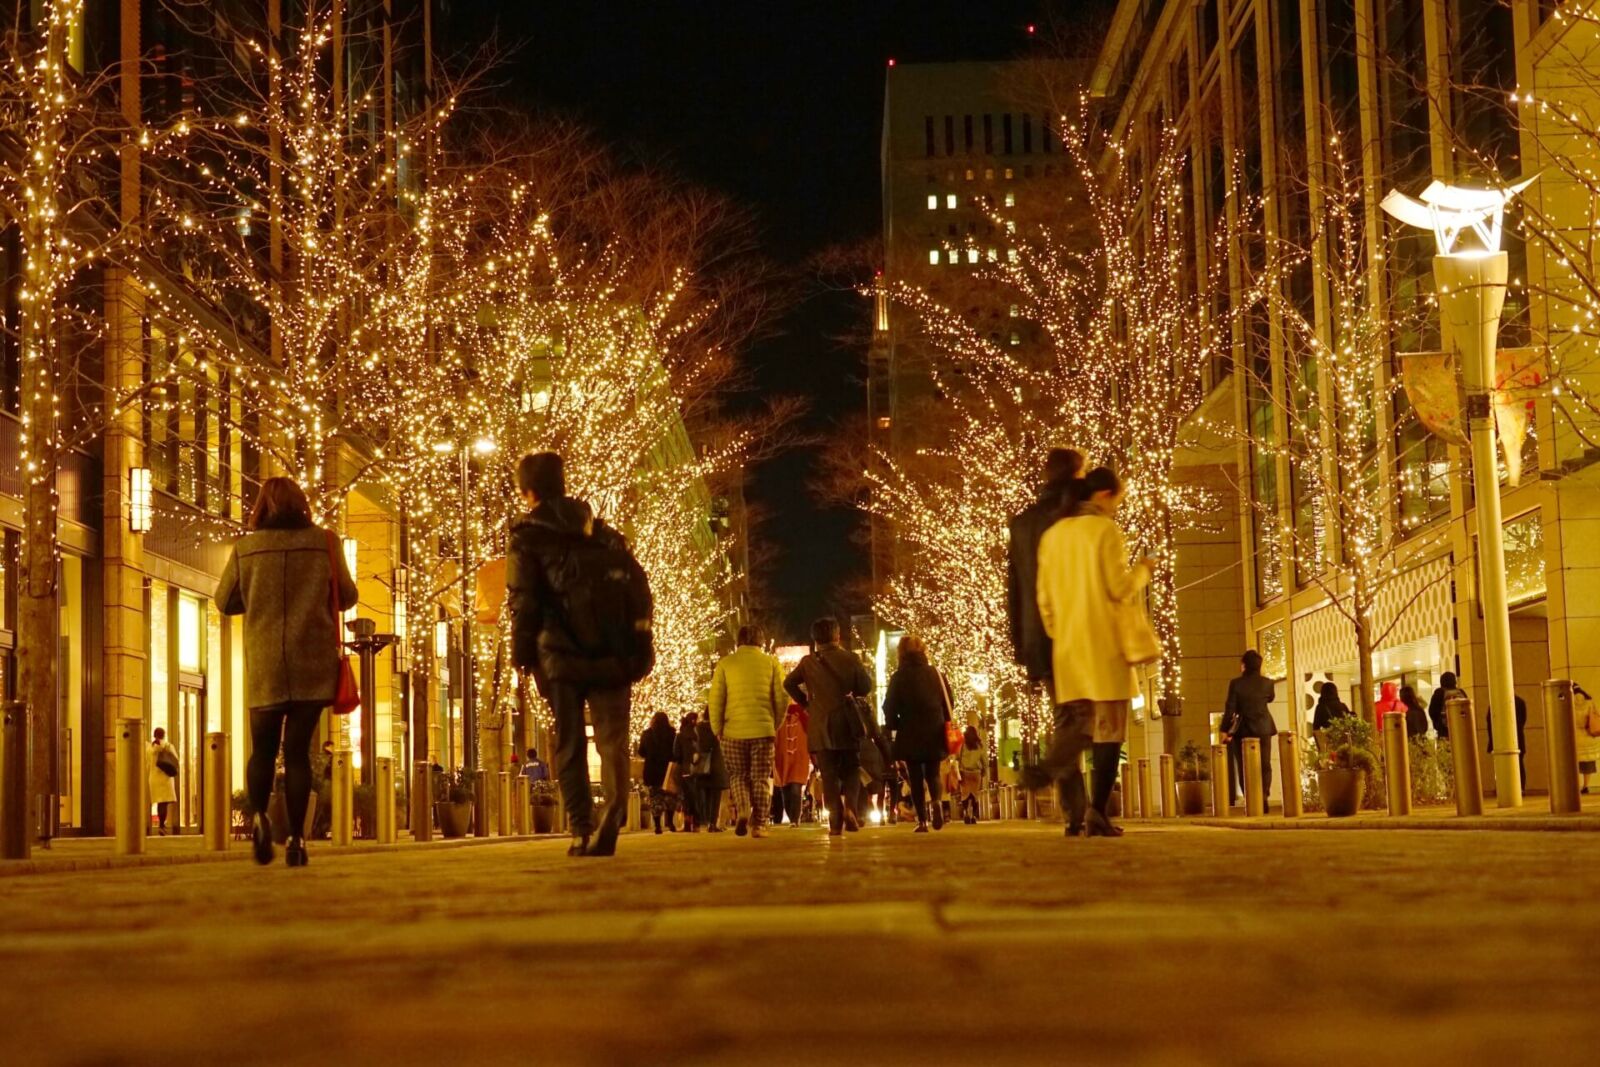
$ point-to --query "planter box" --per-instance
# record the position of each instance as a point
(1192, 797)
(1341, 790)
(544, 818)
(455, 819)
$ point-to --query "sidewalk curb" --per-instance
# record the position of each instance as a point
(238, 851)
(1584, 823)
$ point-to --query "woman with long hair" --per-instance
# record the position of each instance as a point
(288, 578)
(972, 760)
(655, 748)
(915, 710)
(685, 747)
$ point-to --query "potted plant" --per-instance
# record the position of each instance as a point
(453, 809)
(1194, 776)
(1344, 763)
(542, 795)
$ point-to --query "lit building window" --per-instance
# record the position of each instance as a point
(1010, 174)
(189, 655)
(972, 255)
(955, 257)
(1011, 255)
(994, 255)
(1016, 338)
(1011, 199)
(950, 200)
(1011, 225)
(933, 201)
(1015, 311)
(971, 175)
(884, 422)
(933, 256)
(988, 174)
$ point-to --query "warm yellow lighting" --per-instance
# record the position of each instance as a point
(140, 504)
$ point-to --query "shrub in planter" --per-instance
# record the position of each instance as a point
(453, 808)
(1345, 765)
(1193, 770)
(542, 795)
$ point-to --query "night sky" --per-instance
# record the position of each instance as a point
(778, 103)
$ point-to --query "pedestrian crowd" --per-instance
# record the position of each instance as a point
(767, 747)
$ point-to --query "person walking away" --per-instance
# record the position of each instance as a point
(1416, 714)
(711, 775)
(972, 762)
(534, 769)
(876, 774)
(581, 615)
(1448, 688)
(289, 580)
(1587, 721)
(163, 778)
(1085, 582)
(916, 708)
(655, 748)
(1329, 707)
(685, 747)
(1029, 642)
(747, 701)
(791, 763)
(828, 683)
(1248, 713)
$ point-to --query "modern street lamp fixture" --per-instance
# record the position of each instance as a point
(1472, 293)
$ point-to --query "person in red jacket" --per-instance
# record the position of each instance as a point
(791, 765)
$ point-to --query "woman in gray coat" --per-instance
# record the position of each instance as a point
(284, 577)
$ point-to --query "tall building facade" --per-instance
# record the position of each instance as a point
(1412, 91)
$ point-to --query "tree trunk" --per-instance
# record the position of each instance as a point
(38, 592)
(1364, 701)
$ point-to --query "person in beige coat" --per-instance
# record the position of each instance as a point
(747, 703)
(1084, 582)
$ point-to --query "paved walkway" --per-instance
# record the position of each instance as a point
(986, 945)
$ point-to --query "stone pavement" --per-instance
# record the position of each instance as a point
(983, 945)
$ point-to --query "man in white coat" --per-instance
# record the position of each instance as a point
(1084, 581)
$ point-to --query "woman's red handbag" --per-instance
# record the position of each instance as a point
(346, 697)
(954, 738)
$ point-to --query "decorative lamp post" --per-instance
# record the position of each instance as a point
(1472, 293)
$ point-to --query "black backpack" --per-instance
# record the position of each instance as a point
(606, 606)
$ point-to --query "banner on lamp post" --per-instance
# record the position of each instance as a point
(1437, 394)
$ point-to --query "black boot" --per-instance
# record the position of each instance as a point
(294, 852)
(579, 846)
(262, 843)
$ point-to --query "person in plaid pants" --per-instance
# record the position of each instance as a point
(747, 702)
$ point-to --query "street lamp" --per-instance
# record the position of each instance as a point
(1472, 293)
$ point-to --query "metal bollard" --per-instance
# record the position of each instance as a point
(342, 801)
(1146, 810)
(214, 806)
(1397, 762)
(383, 799)
(635, 810)
(1130, 791)
(1219, 782)
(519, 806)
(1561, 740)
(502, 822)
(1289, 764)
(422, 803)
(16, 763)
(1254, 802)
(132, 814)
(1464, 747)
(1169, 787)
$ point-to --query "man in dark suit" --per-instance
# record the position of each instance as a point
(1028, 639)
(1248, 713)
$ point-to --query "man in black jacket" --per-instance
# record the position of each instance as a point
(567, 674)
(831, 684)
(1028, 639)
(1248, 713)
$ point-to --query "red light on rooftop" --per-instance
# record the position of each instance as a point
(891, 61)
(1030, 27)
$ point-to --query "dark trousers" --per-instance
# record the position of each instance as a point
(1074, 734)
(1236, 768)
(924, 773)
(710, 802)
(787, 798)
(841, 781)
(292, 726)
(608, 710)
